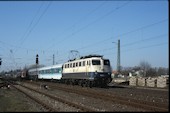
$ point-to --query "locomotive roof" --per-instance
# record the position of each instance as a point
(88, 56)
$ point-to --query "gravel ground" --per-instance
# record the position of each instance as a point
(58, 106)
(96, 104)
(12, 100)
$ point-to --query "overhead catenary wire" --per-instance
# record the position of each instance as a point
(90, 45)
(73, 33)
(30, 24)
(144, 47)
(135, 42)
(100, 41)
(26, 34)
(123, 34)
(94, 44)
(33, 27)
(91, 23)
(128, 44)
(82, 18)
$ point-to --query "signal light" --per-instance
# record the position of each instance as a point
(0, 61)
(37, 59)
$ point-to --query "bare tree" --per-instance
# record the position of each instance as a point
(163, 71)
(145, 66)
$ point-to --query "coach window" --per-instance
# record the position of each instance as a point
(73, 64)
(59, 70)
(49, 70)
(70, 65)
(43, 72)
(76, 64)
(80, 64)
(87, 63)
(46, 71)
(83, 63)
(52, 71)
(55, 71)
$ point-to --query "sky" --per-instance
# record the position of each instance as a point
(68, 29)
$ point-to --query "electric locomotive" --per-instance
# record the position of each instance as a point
(91, 70)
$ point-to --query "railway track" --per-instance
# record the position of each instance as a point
(149, 106)
(56, 98)
(49, 108)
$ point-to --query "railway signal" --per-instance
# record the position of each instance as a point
(37, 59)
(0, 61)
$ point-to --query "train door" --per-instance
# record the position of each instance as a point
(87, 67)
(88, 64)
(106, 65)
(101, 65)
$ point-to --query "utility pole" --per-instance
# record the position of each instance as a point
(0, 61)
(37, 62)
(53, 59)
(118, 55)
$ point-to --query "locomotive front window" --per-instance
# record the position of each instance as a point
(96, 62)
(106, 62)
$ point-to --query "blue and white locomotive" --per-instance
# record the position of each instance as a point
(87, 70)
(91, 70)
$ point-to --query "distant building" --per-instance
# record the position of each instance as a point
(114, 74)
(165, 76)
(130, 74)
(139, 73)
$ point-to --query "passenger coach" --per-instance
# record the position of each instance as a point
(48, 72)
